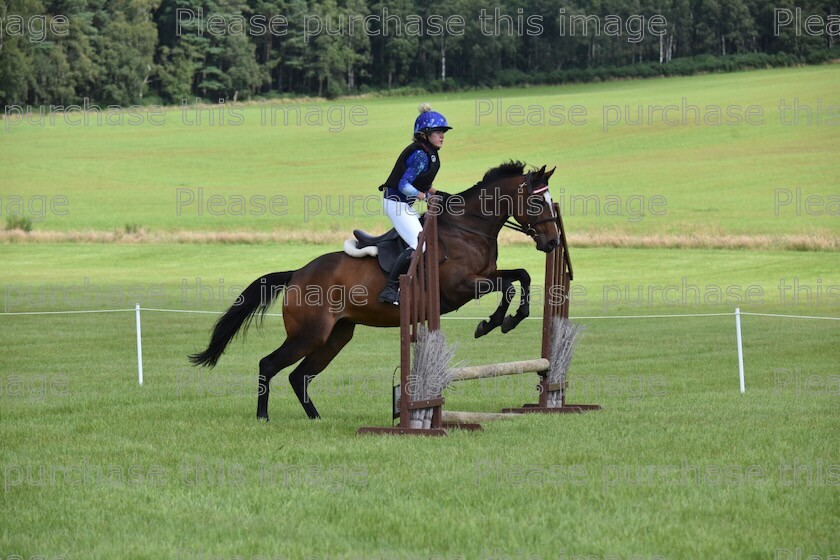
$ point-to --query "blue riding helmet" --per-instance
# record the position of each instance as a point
(430, 121)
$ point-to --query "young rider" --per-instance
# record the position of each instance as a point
(410, 180)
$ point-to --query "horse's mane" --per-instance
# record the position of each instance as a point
(507, 169)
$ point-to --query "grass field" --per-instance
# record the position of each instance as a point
(714, 179)
(678, 464)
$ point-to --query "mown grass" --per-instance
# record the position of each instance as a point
(678, 463)
(719, 180)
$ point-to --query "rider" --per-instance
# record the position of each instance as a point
(411, 179)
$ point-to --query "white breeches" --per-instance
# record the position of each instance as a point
(405, 219)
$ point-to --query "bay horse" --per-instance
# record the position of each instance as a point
(468, 228)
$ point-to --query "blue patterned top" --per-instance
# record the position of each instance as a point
(417, 163)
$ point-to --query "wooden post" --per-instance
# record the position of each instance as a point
(558, 274)
(419, 305)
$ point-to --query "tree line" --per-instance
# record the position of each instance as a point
(165, 51)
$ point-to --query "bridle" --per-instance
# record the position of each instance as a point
(528, 229)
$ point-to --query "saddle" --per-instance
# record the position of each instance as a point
(384, 247)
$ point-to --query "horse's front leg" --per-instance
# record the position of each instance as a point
(487, 285)
(511, 321)
(502, 281)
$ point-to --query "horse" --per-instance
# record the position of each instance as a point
(468, 228)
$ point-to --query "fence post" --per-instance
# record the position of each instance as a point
(139, 345)
(740, 347)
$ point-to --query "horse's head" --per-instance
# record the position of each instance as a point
(534, 210)
(507, 192)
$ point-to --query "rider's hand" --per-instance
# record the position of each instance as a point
(421, 196)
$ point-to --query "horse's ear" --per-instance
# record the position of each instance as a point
(541, 171)
(550, 173)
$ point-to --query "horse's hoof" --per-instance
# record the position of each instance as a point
(264, 418)
(481, 329)
(509, 323)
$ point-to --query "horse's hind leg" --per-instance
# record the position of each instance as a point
(292, 350)
(315, 363)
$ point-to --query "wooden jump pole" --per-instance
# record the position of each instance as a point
(497, 370)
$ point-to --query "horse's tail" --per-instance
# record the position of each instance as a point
(256, 298)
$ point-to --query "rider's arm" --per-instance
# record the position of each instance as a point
(417, 163)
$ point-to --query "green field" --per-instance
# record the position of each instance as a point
(726, 179)
(678, 464)
(669, 388)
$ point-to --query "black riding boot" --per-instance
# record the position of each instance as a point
(391, 293)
